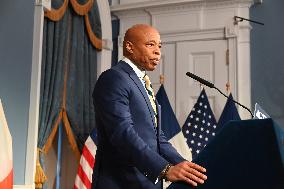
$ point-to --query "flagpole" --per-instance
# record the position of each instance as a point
(58, 165)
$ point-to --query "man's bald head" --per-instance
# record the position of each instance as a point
(142, 46)
(135, 33)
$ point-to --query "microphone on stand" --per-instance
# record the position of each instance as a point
(211, 85)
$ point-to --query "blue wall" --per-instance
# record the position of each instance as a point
(16, 36)
(267, 55)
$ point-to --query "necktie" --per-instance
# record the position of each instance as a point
(151, 95)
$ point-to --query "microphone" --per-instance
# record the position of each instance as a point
(211, 85)
(200, 80)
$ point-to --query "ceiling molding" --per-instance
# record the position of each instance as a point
(173, 4)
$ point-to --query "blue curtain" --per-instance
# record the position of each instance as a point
(69, 72)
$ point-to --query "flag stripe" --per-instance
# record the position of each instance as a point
(83, 179)
(87, 154)
(7, 182)
(179, 142)
(87, 169)
(91, 146)
(6, 153)
(79, 184)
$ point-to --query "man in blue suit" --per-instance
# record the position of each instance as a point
(132, 150)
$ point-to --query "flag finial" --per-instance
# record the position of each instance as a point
(162, 79)
(228, 87)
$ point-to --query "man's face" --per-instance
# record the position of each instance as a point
(146, 49)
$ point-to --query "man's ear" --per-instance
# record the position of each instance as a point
(129, 47)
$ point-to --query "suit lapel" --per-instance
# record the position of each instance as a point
(159, 126)
(139, 85)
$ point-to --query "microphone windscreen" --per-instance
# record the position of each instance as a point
(202, 81)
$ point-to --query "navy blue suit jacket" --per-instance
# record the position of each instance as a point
(131, 152)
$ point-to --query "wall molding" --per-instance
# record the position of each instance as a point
(193, 35)
(168, 5)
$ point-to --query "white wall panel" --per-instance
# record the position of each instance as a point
(177, 22)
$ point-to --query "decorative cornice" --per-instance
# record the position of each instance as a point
(193, 35)
(147, 4)
(131, 12)
(189, 35)
(167, 5)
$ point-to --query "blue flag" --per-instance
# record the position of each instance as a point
(170, 125)
(229, 113)
(200, 125)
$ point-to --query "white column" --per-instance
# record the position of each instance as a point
(104, 56)
(243, 65)
(34, 95)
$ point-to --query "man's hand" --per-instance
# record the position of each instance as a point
(188, 172)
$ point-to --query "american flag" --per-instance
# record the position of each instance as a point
(200, 125)
(85, 171)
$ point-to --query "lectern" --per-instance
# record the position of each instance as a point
(243, 155)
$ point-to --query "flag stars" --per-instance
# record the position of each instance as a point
(214, 126)
(201, 123)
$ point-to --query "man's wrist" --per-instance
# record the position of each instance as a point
(163, 174)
